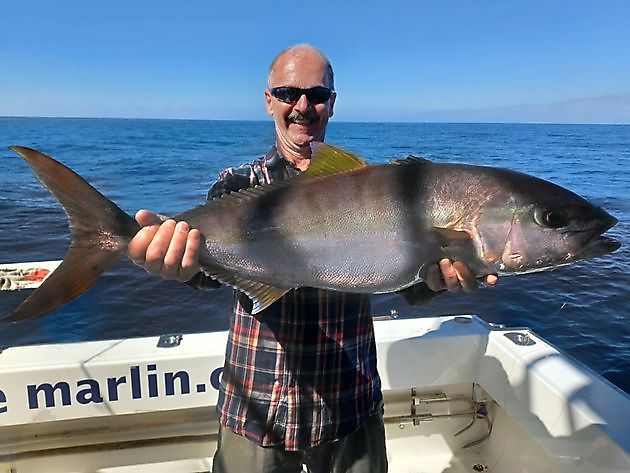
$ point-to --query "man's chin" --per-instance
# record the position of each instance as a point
(303, 138)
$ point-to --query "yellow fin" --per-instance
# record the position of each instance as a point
(327, 160)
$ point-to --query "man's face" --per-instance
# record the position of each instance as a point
(299, 123)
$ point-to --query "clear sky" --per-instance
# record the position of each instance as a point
(541, 61)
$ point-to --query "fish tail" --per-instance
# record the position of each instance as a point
(100, 232)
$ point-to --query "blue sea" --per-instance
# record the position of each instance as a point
(167, 166)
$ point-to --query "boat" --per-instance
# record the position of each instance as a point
(461, 396)
(18, 276)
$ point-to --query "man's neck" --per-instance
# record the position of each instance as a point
(300, 157)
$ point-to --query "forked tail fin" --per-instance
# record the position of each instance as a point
(100, 231)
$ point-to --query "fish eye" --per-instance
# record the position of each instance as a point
(550, 218)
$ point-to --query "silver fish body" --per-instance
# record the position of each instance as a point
(376, 229)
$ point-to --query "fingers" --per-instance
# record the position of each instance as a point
(155, 256)
(457, 276)
(146, 218)
(445, 275)
(190, 261)
(181, 260)
(433, 278)
(491, 280)
(137, 248)
(165, 248)
(466, 278)
(454, 276)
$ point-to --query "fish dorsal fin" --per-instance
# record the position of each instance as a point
(235, 197)
(411, 159)
(262, 295)
(327, 160)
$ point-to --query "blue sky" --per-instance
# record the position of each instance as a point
(540, 61)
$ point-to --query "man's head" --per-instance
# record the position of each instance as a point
(300, 116)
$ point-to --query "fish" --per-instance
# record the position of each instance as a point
(342, 225)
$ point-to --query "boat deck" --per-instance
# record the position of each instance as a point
(460, 397)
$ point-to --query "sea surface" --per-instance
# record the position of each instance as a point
(168, 165)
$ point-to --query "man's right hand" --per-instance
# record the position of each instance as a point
(165, 248)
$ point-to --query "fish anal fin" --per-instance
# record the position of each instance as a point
(327, 160)
(261, 295)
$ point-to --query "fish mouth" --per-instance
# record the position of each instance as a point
(598, 246)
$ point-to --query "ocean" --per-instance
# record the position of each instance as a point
(168, 165)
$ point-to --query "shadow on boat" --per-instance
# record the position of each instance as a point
(547, 411)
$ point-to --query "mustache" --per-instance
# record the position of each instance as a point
(299, 117)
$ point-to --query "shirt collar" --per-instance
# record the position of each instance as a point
(274, 160)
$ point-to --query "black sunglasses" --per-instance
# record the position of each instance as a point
(314, 95)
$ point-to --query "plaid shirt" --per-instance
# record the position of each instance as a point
(303, 371)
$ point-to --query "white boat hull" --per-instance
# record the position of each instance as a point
(131, 405)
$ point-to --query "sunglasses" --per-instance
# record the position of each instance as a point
(315, 95)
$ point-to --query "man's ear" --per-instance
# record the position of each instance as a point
(331, 106)
(268, 99)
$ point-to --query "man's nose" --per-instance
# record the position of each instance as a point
(302, 104)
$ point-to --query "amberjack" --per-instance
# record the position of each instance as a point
(342, 225)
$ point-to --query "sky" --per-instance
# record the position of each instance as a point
(564, 61)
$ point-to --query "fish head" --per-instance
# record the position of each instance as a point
(545, 226)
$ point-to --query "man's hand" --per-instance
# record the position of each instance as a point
(165, 248)
(455, 276)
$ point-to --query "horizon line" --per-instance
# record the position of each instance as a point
(454, 122)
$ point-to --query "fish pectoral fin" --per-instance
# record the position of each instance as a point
(261, 295)
(447, 235)
(327, 160)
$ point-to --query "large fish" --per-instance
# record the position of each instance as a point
(342, 225)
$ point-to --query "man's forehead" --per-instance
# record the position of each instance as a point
(310, 69)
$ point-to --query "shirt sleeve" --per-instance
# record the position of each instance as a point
(232, 180)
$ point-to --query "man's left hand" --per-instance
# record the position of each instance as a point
(455, 276)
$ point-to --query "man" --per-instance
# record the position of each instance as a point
(300, 384)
